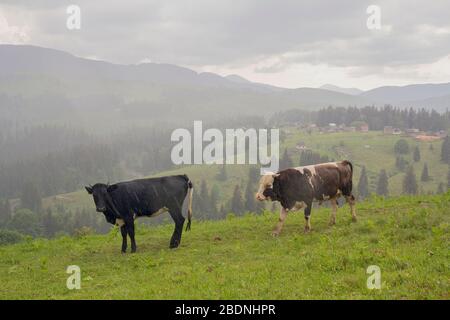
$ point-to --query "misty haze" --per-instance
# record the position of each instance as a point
(91, 93)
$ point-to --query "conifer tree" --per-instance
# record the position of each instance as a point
(382, 184)
(425, 176)
(410, 182)
(363, 184)
(237, 204)
(416, 154)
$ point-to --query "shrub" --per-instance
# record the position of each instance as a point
(401, 147)
(10, 237)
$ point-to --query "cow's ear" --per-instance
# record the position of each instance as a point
(89, 190)
(111, 188)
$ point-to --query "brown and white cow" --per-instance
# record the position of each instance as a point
(299, 187)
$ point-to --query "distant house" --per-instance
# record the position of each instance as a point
(412, 132)
(350, 129)
(441, 133)
(364, 127)
(396, 131)
(388, 130)
(332, 127)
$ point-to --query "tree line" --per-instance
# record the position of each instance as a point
(376, 117)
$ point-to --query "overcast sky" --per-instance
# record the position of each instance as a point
(285, 43)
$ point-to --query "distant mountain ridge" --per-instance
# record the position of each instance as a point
(351, 91)
(414, 92)
(53, 84)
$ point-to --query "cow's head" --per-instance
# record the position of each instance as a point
(103, 201)
(101, 196)
(265, 191)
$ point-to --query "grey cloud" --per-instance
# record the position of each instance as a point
(203, 32)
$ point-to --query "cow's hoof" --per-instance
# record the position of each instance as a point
(307, 230)
(133, 250)
(124, 251)
(331, 223)
(354, 219)
(174, 245)
(275, 234)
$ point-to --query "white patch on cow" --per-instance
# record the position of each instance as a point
(120, 222)
(311, 168)
(160, 211)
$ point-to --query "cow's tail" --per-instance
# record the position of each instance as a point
(190, 194)
(347, 180)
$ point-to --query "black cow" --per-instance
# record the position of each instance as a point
(299, 187)
(123, 202)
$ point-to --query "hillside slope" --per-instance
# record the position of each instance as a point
(407, 237)
(373, 150)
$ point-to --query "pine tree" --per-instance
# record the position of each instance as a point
(363, 184)
(5, 212)
(49, 224)
(237, 205)
(30, 197)
(410, 182)
(253, 175)
(382, 184)
(250, 201)
(401, 163)
(416, 154)
(206, 205)
(445, 150)
(440, 189)
(214, 200)
(197, 203)
(448, 179)
(425, 176)
(222, 210)
(401, 147)
(286, 161)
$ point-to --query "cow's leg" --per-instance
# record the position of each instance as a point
(123, 230)
(308, 217)
(351, 201)
(130, 230)
(178, 218)
(333, 202)
(279, 226)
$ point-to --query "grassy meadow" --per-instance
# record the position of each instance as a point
(237, 258)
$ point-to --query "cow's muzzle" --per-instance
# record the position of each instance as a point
(260, 197)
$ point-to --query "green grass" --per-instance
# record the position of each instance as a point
(237, 258)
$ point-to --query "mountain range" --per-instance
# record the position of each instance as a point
(39, 83)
